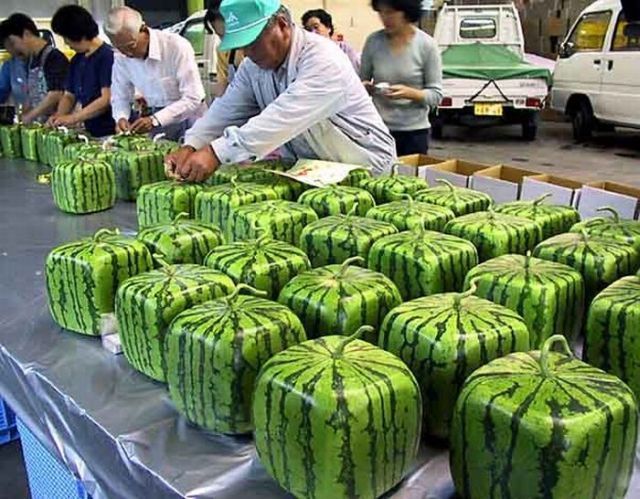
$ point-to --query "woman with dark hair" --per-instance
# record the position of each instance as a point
(89, 78)
(320, 22)
(401, 67)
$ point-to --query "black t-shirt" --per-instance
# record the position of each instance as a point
(56, 67)
(88, 75)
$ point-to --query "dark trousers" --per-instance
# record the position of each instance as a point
(411, 142)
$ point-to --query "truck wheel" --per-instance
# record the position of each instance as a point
(530, 126)
(582, 121)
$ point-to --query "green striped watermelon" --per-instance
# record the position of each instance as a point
(548, 295)
(613, 331)
(214, 204)
(10, 141)
(130, 142)
(340, 298)
(28, 140)
(253, 173)
(613, 226)
(495, 234)
(41, 147)
(554, 219)
(55, 143)
(83, 186)
(134, 169)
(337, 417)
(355, 178)
(183, 240)
(337, 238)
(337, 199)
(161, 202)
(543, 424)
(444, 338)
(286, 188)
(601, 261)
(147, 303)
(90, 150)
(284, 220)
(389, 188)
(460, 200)
(264, 263)
(410, 214)
(214, 352)
(422, 263)
(83, 276)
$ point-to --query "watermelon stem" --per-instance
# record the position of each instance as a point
(612, 211)
(546, 348)
(457, 299)
(347, 263)
(243, 287)
(339, 351)
(585, 236)
(183, 215)
(98, 236)
(408, 197)
(527, 261)
(353, 210)
(167, 267)
(541, 199)
(446, 183)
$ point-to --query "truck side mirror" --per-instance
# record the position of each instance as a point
(567, 49)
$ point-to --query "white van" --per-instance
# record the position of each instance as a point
(596, 81)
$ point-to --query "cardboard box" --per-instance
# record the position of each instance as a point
(503, 183)
(563, 190)
(456, 171)
(623, 198)
(414, 165)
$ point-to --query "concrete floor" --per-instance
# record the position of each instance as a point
(612, 156)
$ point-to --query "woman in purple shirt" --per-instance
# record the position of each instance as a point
(319, 21)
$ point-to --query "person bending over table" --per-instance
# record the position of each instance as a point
(295, 91)
(89, 79)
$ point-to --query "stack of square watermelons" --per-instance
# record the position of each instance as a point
(342, 325)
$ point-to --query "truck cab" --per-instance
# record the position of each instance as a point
(595, 82)
(486, 80)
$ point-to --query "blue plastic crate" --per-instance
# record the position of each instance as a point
(8, 430)
(48, 477)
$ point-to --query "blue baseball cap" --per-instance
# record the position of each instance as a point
(244, 21)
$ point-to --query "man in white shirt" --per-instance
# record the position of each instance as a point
(295, 91)
(160, 66)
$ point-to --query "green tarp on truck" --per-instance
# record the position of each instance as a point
(479, 61)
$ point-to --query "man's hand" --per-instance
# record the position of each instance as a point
(175, 160)
(67, 120)
(199, 166)
(51, 122)
(28, 118)
(142, 125)
(369, 86)
(122, 125)
(396, 92)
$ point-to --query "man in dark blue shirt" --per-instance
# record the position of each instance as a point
(89, 78)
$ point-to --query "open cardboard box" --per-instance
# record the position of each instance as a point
(503, 183)
(563, 191)
(456, 171)
(623, 198)
(414, 165)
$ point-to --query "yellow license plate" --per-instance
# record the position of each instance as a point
(487, 109)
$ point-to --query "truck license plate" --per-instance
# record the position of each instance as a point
(487, 109)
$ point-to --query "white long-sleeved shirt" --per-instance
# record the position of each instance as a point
(168, 78)
(314, 106)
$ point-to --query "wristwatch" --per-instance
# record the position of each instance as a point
(154, 121)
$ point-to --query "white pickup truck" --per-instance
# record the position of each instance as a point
(486, 78)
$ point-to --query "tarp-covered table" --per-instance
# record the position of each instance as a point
(112, 427)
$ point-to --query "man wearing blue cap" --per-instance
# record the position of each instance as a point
(295, 91)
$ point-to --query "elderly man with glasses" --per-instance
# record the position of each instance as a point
(162, 67)
(295, 91)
